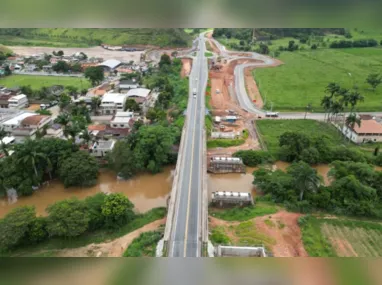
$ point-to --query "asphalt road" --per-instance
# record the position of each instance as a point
(185, 239)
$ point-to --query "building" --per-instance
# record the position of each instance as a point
(29, 126)
(226, 165)
(368, 131)
(13, 121)
(222, 198)
(123, 120)
(140, 95)
(230, 119)
(110, 64)
(225, 135)
(101, 148)
(126, 85)
(18, 102)
(111, 103)
(4, 100)
(55, 131)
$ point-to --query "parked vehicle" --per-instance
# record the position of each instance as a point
(194, 91)
(271, 114)
(43, 106)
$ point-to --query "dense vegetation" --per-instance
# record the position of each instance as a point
(66, 37)
(144, 245)
(68, 218)
(253, 158)
(355, 189)
(149, 148)
(243, 214)
(214, 143)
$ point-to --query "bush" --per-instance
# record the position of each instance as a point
(253, 158)
(244, 214)
(79, 169)
(314, 46)
(94, 205)
(144, 245)
(117, 210)
(219, 237)
(67, 218)
(378, 160)
(224, 143)
(310, 155)
(37, 231)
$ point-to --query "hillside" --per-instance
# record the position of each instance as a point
(62, 37)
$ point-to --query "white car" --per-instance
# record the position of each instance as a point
(195, 96)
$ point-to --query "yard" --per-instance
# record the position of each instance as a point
(305, 74)
(37, 82)
(271, 130)
(344, 238)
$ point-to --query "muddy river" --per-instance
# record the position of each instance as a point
(145, 191)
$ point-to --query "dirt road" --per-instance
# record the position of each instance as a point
(123, 56)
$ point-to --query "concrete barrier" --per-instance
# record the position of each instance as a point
(240, 251)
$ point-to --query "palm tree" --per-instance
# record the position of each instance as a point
(327, 102)
(351, 121)
(4, 147)
(336, 108)
(63, 119)
(86, 136)
(96, 101)
(332, 89)
(31, 156)
(354, 98)
(305, 178)
(72, 130)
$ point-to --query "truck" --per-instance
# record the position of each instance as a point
(271, 114)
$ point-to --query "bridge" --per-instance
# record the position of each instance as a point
(186, 232)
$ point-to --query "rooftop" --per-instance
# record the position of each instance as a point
(18, 97)
(103, 144)
(34, 120)
(97, 127)
(138, 92)
(114, 97)
(111, 63)
(16, 120)
(368, 127)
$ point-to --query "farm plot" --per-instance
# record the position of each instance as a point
(351, 239)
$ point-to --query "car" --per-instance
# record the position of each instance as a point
(194, 96)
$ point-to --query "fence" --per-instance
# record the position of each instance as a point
(261, 141)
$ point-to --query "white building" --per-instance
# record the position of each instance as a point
(13, 123)
(140, 95)
(29, 126)
(18, 102)
(368, 131)
(55, 131)
(122, 120)
(101, 148)
(112, 103)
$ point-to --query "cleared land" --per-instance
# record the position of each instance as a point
(305, 74)
(344, 238)
(37, 82)
(271, 130)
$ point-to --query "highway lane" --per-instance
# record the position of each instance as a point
(186, 233)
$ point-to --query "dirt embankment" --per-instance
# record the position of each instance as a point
(282, 227)
(186, 67)
(114, 248)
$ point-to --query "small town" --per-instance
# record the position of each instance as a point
(199, 142)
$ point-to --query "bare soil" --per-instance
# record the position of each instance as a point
(288, 242)
(114, 248)
(186, 67)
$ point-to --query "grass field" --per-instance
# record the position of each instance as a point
(243, 214)
(37, 82)
(68, 37)
(271, 130)
(224, 143)
(305, 74)
(344, 238)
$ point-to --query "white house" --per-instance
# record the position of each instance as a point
(368, 131)
(101, 148)
(55, 131)
(29, 126)
(13, 123)
(122, 120)
(112, 103)
(140, 95)
(18, 102)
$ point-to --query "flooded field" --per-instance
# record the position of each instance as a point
(146, 191)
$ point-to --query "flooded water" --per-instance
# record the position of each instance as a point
(146, 191)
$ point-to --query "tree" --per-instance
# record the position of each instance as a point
(27, 90)
(164, 60)
(293, 144)
(65, 100)
(122, 160)
(73, 90)
(332, 88)
(60, 53)
(79, 169)
(7, 71)
(326, 102)
(63, 119)
(87, 136)
(4, 146)
(351, 121)
(314, 46)
(76, 67)
(67, 218)
(305, 178)
(15, 225)
(132, 106)
(43, 112)
(310, 155)
(117, 210)
(96, 101)
(94, 74)
(253, 158)
(353, 98)
(32, 157)
(374, 79)
(61, 66)
(94, 209)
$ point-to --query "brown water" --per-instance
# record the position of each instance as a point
(146, 191)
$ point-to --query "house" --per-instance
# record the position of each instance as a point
(14, 121)
(368, 131)
(140, 95)
(4, 100)
(111, 103)
(18, 102)
(125, 85)
(29, 126)
(101, 148)
(55, 131)
(14, 90)
(110, 64)
(122, 120)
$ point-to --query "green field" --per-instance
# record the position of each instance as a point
(305, 74)
(271, 130)
(341, 237)
(37, 82)
(63, 37)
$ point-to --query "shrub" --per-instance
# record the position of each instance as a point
(218, 236)
(94, 205)
(144, 245)
(117, 210)
(310, 155)
(253, 158)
